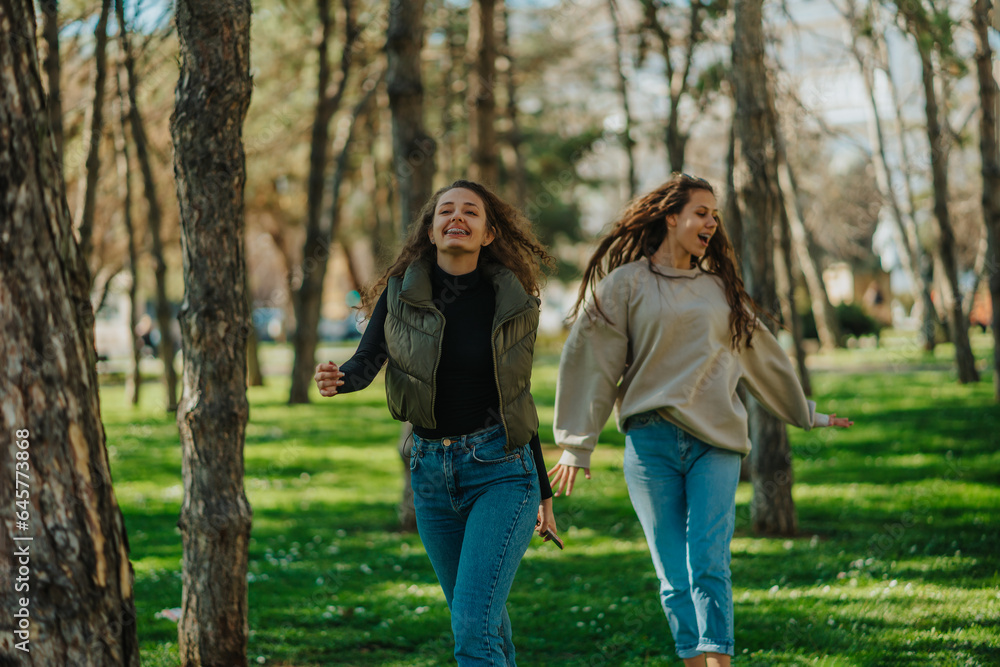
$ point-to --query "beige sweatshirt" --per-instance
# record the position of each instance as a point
(667, 349)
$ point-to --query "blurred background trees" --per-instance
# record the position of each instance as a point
(876, 151)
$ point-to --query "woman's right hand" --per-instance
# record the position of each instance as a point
(564, 478)
(328, 378)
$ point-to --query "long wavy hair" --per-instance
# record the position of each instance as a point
(640, 230)
(514, 243)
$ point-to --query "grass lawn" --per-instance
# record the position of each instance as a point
(897, 561)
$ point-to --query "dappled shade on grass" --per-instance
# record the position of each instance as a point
(896, 562)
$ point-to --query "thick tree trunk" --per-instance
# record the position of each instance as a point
(959, 325)
(989, 148)
(482, 92)
(53, 72)
(154, 215)
(622, 81)
(95, 132)
(412, 148)
(212, 97)
(307, 299)
(67, 596)
(133, 385)
(772, 509)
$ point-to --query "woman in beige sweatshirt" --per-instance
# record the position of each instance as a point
(666, 333)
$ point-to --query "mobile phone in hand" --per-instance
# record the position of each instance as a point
(555, 539)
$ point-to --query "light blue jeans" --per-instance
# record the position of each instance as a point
(476, 511)
(684, 493)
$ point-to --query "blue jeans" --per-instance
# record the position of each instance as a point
(684, 493)
(476, 511)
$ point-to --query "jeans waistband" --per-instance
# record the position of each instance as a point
(468, 440)
(642, 419)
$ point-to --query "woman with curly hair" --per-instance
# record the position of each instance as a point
(667, 331)
(455, 318)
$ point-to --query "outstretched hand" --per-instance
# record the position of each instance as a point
(328, 378)
(840, 422)
(564, 478)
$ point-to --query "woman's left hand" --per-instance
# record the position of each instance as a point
(546, 518)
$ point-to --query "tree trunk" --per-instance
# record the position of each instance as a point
(154, 215)
(959, 330)
(307, 299)
(134, 383)
(923, 262)
(772, 509)
(627, 142)
(827, 326)
(482, 92)
(67, 596)
(212, 97)
(412, 148)
(53, 72)
(309, 302)
(731, 215)
(906, 228)
(989, 148)
(254, 377)
(785, 281)
(515, 166)
(85, 214)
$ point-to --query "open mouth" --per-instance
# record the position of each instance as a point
(704, 238)
(455, 231)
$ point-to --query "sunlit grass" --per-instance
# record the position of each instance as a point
(896, 561)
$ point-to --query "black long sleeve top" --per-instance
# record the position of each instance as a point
(467, 398)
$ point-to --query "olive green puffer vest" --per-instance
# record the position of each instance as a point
(414, 330)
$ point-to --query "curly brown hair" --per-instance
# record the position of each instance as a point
(640, 230)
(514, 244)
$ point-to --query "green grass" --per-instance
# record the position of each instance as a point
(897, 561)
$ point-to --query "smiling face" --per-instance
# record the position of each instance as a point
(691, 230)
(459, 225)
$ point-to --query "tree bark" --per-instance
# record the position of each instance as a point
(922, 259)
(959, 325)
(772, 508)
(67, 595)
(134, 384)
(989, 148)
(212, 97)
(785, 281)
(516, 167)
(85, 214)
(53, 72)
(154, 214)
(412, 148)
(827, 325)
(307, 299)
(482, 92)
(675, 137)
(906, 228)
(627, 142)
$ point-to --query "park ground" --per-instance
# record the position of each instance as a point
(897, 559)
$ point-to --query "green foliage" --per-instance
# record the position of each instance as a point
(896, 562)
